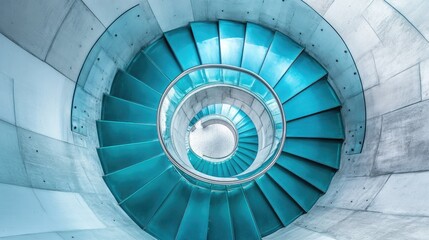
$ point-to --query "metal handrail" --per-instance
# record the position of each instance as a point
(228, 67)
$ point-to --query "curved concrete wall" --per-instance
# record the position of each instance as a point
(50, 178)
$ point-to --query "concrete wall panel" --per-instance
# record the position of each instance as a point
(297, 232)
(107, 233)
(320, 6)
(172, 14)
(37, 236)
(108, 11)
(370, 225)
(12, 169)
(399, 91)
(402, 45)
(361, 164)
(352, 193)
(367, 70)
(53, 164)
(41, 93)
(7, 104)
(404, 141)
(74, 39)
(299, 22)
(415, 12)
(424, 75)
(404, 194)
(33, 24)
(331, 217)
(50, 211)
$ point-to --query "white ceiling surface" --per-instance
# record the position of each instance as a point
(378, 194)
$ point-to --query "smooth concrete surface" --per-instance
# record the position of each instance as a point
(378, 194)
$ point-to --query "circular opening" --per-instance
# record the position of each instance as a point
(216, 84)
(213, 139)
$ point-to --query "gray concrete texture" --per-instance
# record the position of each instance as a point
(48, 170)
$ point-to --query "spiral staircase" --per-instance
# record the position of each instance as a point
(190, 200)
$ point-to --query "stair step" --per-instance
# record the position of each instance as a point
(317, 98)
(249, 146)
(118, 133)
(326, 124)
(313, 173)
(114, 158)
(301, 74)
(247, 127)
(257, 41)
(323, 151)
(125, 182)
(144, 69)
(247, 159)
(182, 43)
(281, 54)
(302, 192)
(194, 224)
(206, 36)
(231, 35)
(243, 165)
(166, 221)
(242, 219)
(285, 207)
(161, 55)
(220, 223)
(143, 204)
(264, 215)
(116, 109)
(129, 88)
(249, 139)
(248, 153)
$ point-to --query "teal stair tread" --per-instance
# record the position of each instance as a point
(244, 159)
(118, 133)
(249, 139)
(143, 204)
(206, 35)
(315, 174)
(285, 207)
(117, 157)
(230, 168)
(127, 181)
(116, 109)
(326, 124)
(231, 35)
(317, 98)
(243, 222)
(248, 132)
(264, 215)
(161, 55)
(194, 224)
(243, 165)
(182, 43)
(245, 128)
(166, 221)
(247, 153)
(257, 41)
(220, 223)
(323, 151)
(303, 193)
(249, 146)
(237, 167)
(281, 54)
(129, 88)
(146, 71)
(302, 73)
